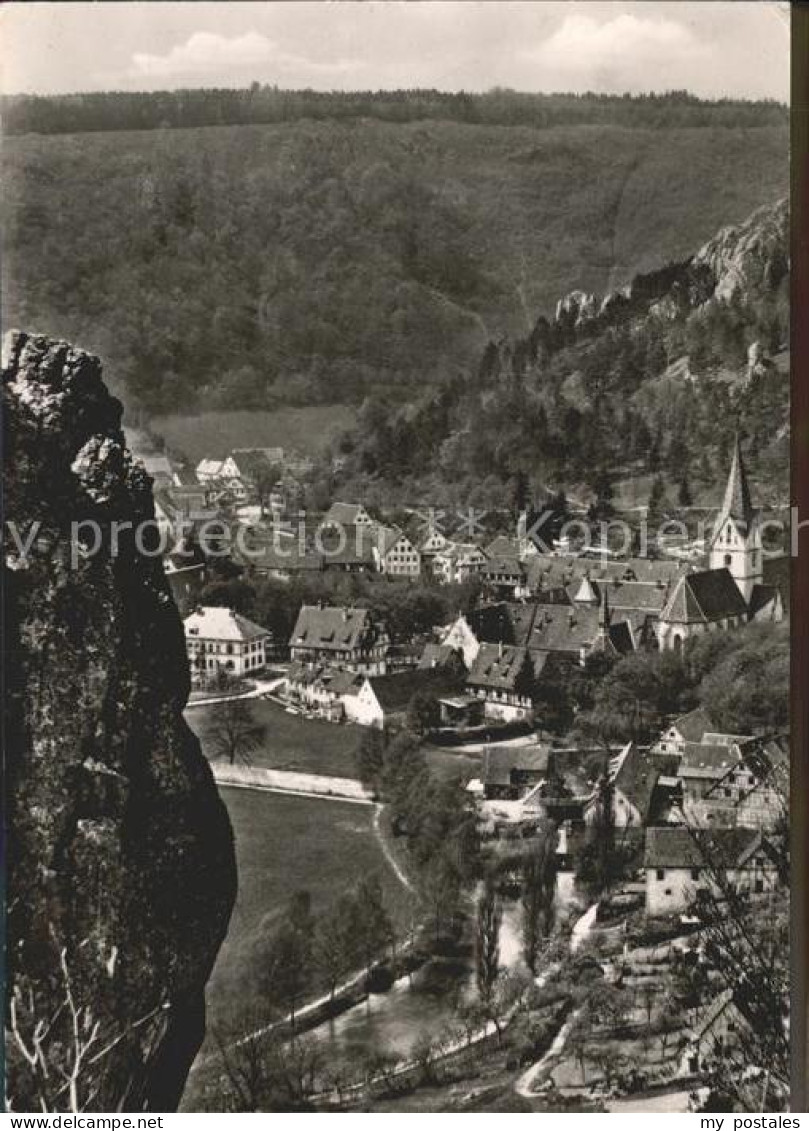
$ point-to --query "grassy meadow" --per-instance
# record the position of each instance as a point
(286, 844)
(306, 429)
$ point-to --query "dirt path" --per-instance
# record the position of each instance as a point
(524, 1085)
(386, 852)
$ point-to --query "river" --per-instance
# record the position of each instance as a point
(392, 1022)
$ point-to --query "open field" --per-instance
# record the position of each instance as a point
(294, 743)
(283, 845)
(213, 434)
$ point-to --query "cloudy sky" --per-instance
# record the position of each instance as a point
(738, 49)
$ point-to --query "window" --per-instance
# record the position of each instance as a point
(667, 891)
(695, 873)
(660, 874)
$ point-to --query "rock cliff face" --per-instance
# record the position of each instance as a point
(748, 259)
(121, 872)
(753, 256)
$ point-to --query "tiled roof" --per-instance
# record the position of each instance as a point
(699, 598)
(674, 846)
(251, 462)
(503, 547)
(500, 564)
(209, 467)
(435, 656)
(394, 692)
(386, 537)
(344, 514)
(157, 465)
(693, 725)
(707, 760)
(336, 680)
(498, 667)
(331, 628)
(635, 774)
(214, 623)
(546, 628)
(546, 571)
(763, 596)
(498, 762)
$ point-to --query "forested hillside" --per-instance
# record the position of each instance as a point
(331, 256)
(647, 382)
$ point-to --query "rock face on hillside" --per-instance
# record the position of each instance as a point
(121, 874)
(748, 259)
(751, 256)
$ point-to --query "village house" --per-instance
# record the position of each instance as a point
(703, 764)
(690, 727)
(460, 637)
(395, 554)
(321, 689)
(504, 577)
(347, 514)
(221, 640)
(457, 562)
(503, 677)
(185, 573)
(341, 637)
(717, 1029)
(547, 572)
(563, 630)
(679, 863)
(433, 543)
(753, 792)
(160, 468)
(509, 772)
(641, 790)
(382, 701)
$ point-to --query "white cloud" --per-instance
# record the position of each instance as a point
(616, 53)
(208, 54)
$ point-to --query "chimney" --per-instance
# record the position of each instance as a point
(500, 650)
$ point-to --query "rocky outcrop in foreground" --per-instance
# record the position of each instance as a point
(121, 873)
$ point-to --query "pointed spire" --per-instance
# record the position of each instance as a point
(604, 615)
(738, 503)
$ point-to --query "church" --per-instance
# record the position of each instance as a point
(732, 591)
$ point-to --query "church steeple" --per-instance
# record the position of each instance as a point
(738, 503)
(736, 543)
(604, 612)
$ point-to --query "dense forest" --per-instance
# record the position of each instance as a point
(262, 104)
(654, 385)
(320, 261)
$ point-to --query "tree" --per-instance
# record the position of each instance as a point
(335, 941)
(423, 713)
(487, 940)
(263, 477)
(233, 732)
(290, 956)
(654, 507)
(370, 759)
(518, 492)
(747, 946)
(373, 925)
(538, 898)
(684, 496)
(441, 887)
